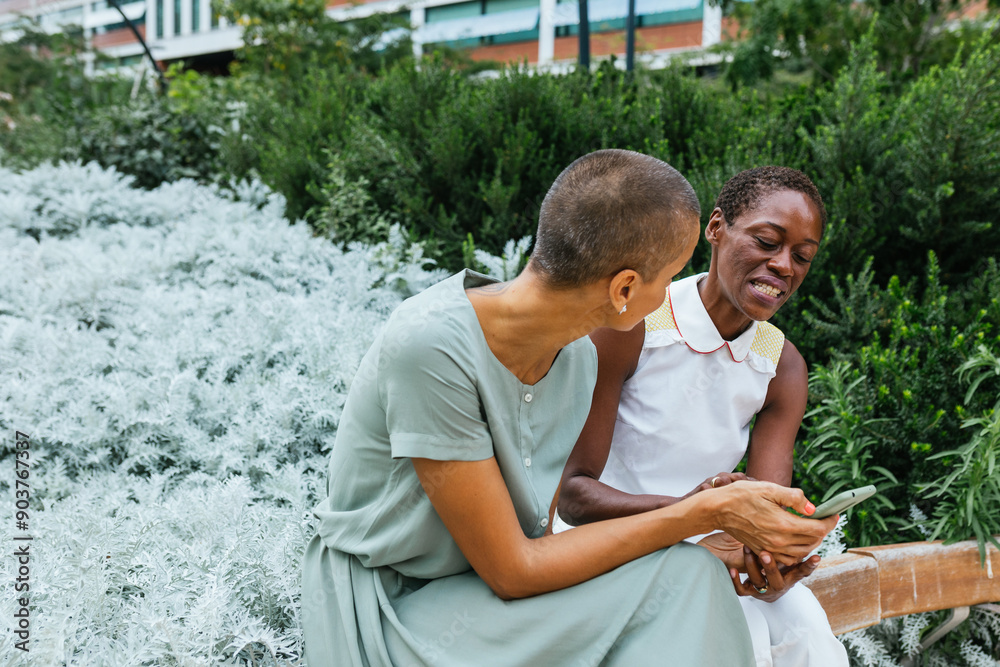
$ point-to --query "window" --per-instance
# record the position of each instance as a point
(497, 6)
(120, 25)
(610, 15)
(460, 10)
(513, 23)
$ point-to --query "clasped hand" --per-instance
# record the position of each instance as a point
(767, 579)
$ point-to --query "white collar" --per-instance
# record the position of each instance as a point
(695, 325)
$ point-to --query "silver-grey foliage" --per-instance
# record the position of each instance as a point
(180, 358)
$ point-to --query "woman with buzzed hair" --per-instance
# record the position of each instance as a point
(676, 395)
(431, 547)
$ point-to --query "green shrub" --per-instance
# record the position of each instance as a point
(45, 96)
(896, 400)
(452, 156)
(949, 161)
(908, 36)
(967, 496)
(843, 453)
(148, 140)
(290, 129)
(346, 211)
(901, 177)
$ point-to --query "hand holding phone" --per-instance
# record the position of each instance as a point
(843, 501)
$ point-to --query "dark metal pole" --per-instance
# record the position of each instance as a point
(584, 36)
(630, 37)
(145, 47)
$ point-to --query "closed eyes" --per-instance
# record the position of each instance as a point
(768, 245)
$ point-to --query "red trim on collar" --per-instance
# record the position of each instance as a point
(677, 323)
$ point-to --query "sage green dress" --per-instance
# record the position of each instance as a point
(384, 582)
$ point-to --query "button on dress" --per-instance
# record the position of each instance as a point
(385, 584)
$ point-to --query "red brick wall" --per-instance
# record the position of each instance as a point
(117, 37)
(730, 29)
(970, 11)
(654, 38)
(507, 53)
(15, 6)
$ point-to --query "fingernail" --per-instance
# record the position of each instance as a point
(810, 508)
(732, 573)
(746, 549)
(765, 558)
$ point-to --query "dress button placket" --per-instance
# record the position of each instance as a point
(527, 399)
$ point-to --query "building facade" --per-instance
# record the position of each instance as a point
(544, 32)
(540, 32)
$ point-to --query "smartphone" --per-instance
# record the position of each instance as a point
(842, 501)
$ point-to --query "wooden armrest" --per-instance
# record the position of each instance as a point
(847, 585)
(863, 586)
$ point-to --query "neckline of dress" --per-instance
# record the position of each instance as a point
(482, 334)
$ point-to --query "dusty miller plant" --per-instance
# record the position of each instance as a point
(180, 358)
(507, 265)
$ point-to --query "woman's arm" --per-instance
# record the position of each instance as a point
(473, 502)
(772, 440)
(582, 498)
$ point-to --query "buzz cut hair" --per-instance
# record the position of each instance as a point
(746, 190)
(609, 211)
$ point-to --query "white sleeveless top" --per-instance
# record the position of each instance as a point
(685, 413)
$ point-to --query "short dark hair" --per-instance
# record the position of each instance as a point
(612, 210)
(744, 191)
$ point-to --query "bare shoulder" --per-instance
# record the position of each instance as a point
(618, 351)
(791, 364)
(790, 385)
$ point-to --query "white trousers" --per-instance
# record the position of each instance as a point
(792, 632)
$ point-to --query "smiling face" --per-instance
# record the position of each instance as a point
(764, 255)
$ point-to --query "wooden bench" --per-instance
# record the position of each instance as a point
(861, 587)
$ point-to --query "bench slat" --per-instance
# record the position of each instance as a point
(861, 587)
(847, 585)
(927, 576)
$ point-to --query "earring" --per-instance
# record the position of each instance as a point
(624, 308)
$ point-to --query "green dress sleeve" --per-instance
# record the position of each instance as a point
(427, 386)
